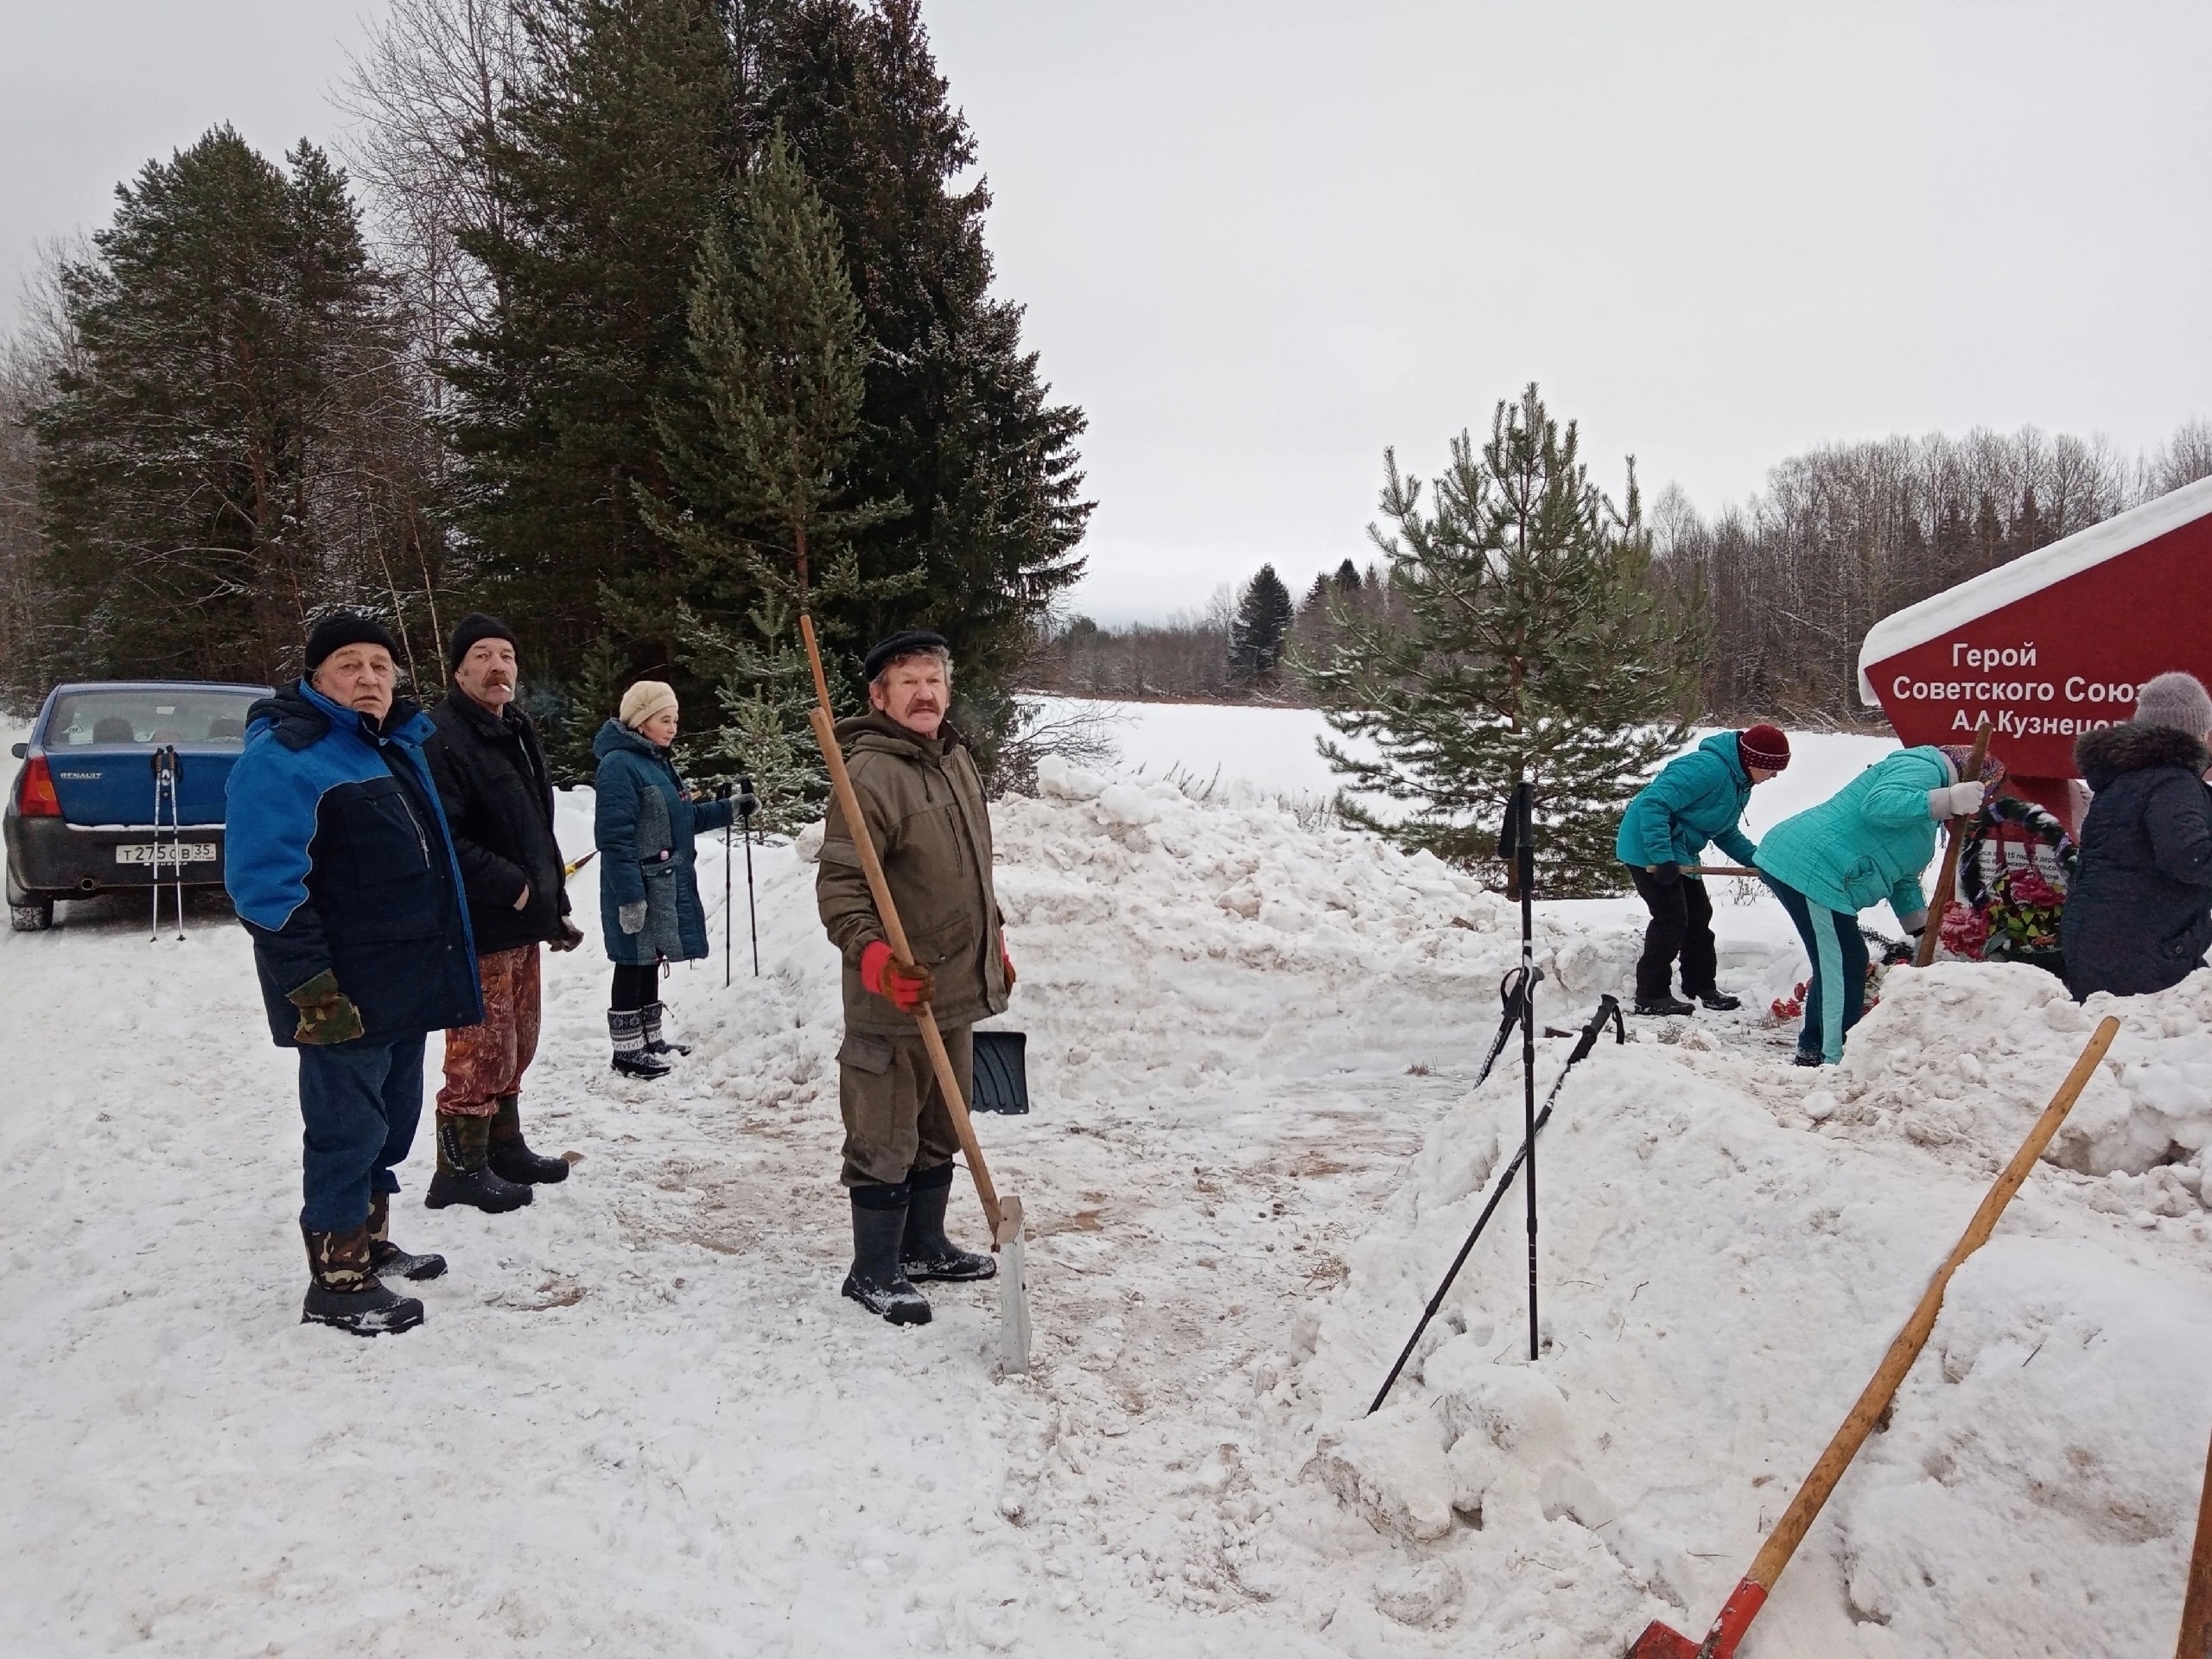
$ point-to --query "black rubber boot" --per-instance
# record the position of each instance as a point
(1663, 1005)
(343, 1289)
(655, 1043)
(879, 1221)
(631, 1058)
(1720, 1002)
(464, 1176)
(385, 1257)
(924, 1250)
(508, 1155)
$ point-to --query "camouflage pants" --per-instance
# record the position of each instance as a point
(484, 1061)
(896, 1121)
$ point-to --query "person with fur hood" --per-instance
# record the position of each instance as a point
(2138, 915)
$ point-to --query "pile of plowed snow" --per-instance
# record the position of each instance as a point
(1728, 1245)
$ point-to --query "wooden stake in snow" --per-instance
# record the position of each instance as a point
(1003, 1220)
(1948, 882)
(2196, 1608)
(1659, 1642)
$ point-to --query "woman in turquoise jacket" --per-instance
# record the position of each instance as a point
(1870, 842)
(1696, 798)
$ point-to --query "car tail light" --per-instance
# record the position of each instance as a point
(34, 796)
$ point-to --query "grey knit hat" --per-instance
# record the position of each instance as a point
(2177, 700)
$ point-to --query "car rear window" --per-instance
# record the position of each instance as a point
(147, 715)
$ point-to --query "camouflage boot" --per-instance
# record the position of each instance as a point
(465, 1174)
(510, 1156)
(385, 1257)
(343, 1289)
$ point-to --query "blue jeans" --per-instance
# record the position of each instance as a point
(360, 1102)
(1838, 970)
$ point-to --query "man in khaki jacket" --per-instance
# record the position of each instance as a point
(923, 803)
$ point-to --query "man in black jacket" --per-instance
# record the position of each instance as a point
(339, 863)
(498, 796)
(2138, 910)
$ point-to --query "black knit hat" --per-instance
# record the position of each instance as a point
(343, 628)
(906, 643)
(475, 626)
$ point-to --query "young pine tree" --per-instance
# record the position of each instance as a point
(756, 448)
(1524, 636)
(1262, 627)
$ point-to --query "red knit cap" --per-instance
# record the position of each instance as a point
(1764, 746)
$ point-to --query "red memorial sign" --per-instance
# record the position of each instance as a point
(2054, 643)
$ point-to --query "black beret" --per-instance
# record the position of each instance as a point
(905, 643)
(342, 628)
(475, 626)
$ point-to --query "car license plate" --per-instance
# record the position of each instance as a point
(147, 852)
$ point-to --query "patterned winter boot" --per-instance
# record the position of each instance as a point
(655, 1043)
(465, 1175)
(385, 1257)
(924, 1251)
(510, 1156)
(631, 1058)
(875, 1282)
(343, 1289)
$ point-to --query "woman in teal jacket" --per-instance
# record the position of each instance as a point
(649, 910)
(1696, 798)
(1870, 842)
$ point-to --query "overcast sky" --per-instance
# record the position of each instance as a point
(1260, 241)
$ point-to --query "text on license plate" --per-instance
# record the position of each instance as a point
(147, 852)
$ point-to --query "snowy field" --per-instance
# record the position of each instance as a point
(639, 1419)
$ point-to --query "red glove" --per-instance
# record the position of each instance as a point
(906, 986)
(1006, 962)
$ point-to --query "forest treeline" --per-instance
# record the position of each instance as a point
(497, 359)
(1791, 580)
(480, 367)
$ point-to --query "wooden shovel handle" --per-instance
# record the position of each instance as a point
(1805, 1507)
(887, 911)
(1947, 883)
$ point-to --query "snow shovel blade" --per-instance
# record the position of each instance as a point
(1001, 1075)
(1658, 1642)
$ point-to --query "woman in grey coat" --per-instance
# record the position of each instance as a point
(644, 822)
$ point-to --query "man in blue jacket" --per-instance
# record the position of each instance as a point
(338, 860)
(1696, 798)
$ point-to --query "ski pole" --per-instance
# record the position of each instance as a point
(727, 919)
(748, 802)
(154, 934)
(176, 832)
(1511, 992)
(1517, 844)
(1609, 1008)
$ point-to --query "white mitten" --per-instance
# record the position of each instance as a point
(1959, 801)
(631, 916)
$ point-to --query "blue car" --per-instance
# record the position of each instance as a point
(83, 814)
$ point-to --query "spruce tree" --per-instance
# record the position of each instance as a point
(1256, 637)
(1533, 641)
(229, 443)
(957, 423)
(606, 167)
(756, 448)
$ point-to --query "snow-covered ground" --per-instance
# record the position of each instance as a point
(641, 1419)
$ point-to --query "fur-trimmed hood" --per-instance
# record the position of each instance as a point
(2112, 751)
